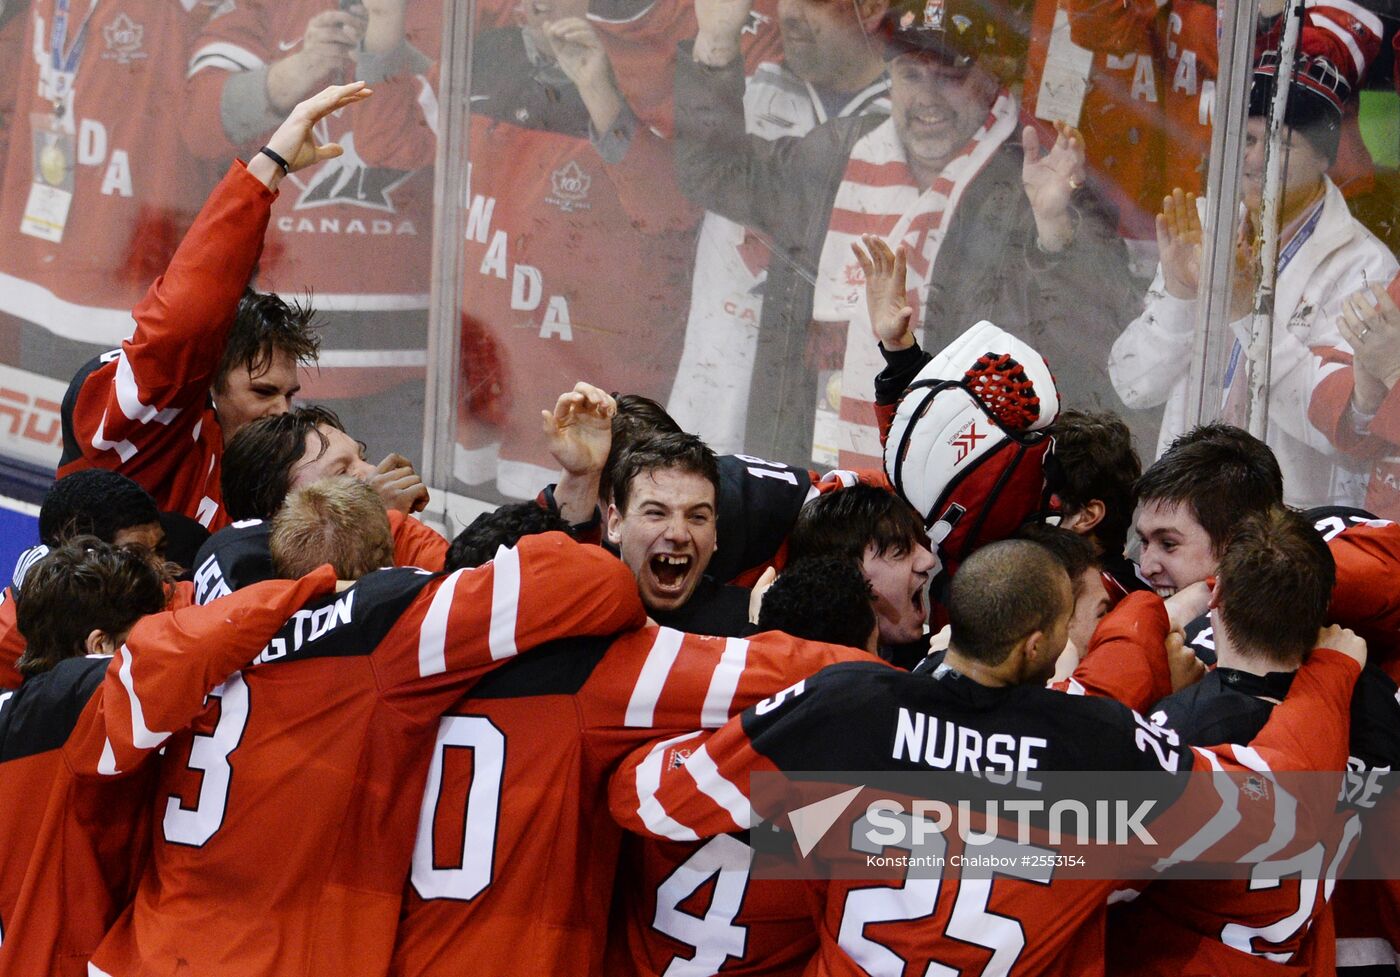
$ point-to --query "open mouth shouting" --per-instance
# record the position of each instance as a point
(669, 579)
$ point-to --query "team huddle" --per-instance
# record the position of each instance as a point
(258, 719)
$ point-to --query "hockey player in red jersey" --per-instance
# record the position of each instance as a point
(1010, 608)
(543, 734)
(1269, 602)
(333, 725)
(161, 408)
(670, 914)
(74, 738)
(83, 599)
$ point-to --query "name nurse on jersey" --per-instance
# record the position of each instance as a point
(960, 749)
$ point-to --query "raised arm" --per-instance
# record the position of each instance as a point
(545, 588)
(182, 325)
(578, 433)
(157, 682)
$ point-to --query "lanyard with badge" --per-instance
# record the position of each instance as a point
(51, 190)
(1232, 406)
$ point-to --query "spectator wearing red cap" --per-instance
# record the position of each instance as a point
(1324, 255)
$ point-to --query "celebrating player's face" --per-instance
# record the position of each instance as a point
(341, 455)
(667, 534)
(1176, 551)
(242, 397)
(899, 580)
(1090, 606)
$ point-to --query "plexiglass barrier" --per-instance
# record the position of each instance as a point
(662, 198)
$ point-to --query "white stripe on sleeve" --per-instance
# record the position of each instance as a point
(713, 785)
(641, 708)
(505, 603)
(129, 397)
(125, 449)
(432, 635)
(719, 700)
(142, 737)
(649, 808)
(1220, 824)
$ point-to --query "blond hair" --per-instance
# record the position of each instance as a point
(337, 520)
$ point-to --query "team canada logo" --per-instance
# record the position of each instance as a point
(124, 37)
(570, 188)
(347, 179)
(1255, 788)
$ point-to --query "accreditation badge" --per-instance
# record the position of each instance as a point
(51, 187)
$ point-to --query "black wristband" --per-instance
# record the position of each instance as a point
(276, 157)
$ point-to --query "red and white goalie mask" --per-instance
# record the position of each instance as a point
(969, 440)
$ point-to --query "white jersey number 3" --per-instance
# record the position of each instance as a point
(209, 753)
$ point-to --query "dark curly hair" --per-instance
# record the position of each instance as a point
(488, 532)
(821, 599)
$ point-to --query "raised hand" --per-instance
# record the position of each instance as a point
(720, 23)
(1050, 180)
(886, 291)
(327, 46)
(1179, 237)
(579, 52)
(579, 429)
(385, 28)
(295, 139)
(1370, 322)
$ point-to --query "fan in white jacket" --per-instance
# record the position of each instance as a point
(1324, 255)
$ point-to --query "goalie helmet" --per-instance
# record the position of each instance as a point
(968, 443)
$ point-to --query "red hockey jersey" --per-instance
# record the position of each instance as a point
(847, 717)
(337, 214)
(517, 791)
(132, 188)
(72, 744)
(286, 815)
(143, 410)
